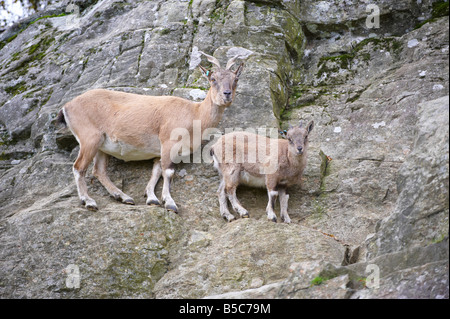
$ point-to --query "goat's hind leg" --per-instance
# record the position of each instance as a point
(99, 171)
(150, 189)
(271, 205)
(85, 157)
(284, 197)
(231, 193)
(224, 212)
(168, 170)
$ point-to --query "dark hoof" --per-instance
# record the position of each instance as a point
(153, 202)
(172, 208)
(129, 202)
(273, 219)
(92, 208)
(246, 215)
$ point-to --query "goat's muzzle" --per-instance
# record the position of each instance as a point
(227, 96)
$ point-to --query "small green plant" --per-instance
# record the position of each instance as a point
(439, 239)
(317, 281)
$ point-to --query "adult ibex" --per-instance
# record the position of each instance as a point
(135, 127)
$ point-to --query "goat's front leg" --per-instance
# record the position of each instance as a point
(284, 197)
(150, 189)
(271, 205)
(168, 170)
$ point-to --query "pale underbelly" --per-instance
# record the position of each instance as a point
(250, 180)
(128, 152)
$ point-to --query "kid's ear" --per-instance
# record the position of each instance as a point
(239, 70)
(206, 73)
(310, 126)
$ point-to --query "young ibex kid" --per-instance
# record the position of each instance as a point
(232, 153)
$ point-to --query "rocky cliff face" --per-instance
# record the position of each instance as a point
(374, 202)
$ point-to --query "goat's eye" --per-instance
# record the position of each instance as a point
(290, 140)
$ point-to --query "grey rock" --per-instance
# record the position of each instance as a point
(421, 213)
(375, 191)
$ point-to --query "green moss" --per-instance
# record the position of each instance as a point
(338, 62)
(317, 281)
(325, 165)
(49, 95)
(440, 9)
(5, 42)
(318, 210)
(16, 89)
(333, 64)
(343, 60)
(48, 16)
(439, 239)
(386, 43)
(4, 139)
(353, 98)
(15, 56)
(34, 47)
(36, 52)
(218, 13)
(164, 31)
(363, 43)
(285, 115)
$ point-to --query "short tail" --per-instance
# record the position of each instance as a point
(60, 119)
(215, 161)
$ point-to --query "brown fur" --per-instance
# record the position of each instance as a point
(284, 167)
(135, 127)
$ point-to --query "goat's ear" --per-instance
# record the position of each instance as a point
(239, 70)
(310, 126)
(205, 72)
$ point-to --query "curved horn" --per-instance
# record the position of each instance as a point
(231, 62)
(211, 59)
